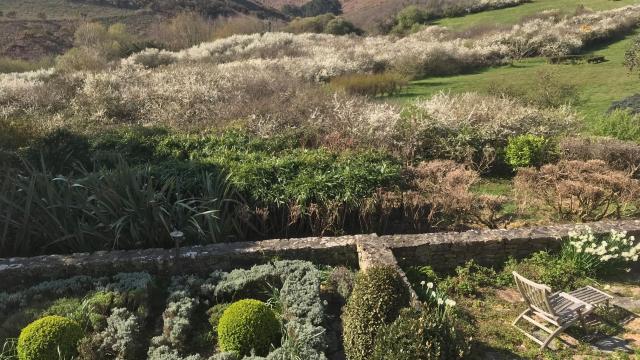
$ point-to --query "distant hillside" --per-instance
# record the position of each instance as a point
(31, 39)
(367, 14)
(363, 13)
(30, 29)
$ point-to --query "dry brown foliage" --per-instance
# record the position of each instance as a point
(578, 190)
(618, 154)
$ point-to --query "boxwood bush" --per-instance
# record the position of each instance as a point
(378, 295)
(48, 338)
(248, 326)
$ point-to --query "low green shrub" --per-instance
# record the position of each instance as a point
(49, 337)
(378, 295)
(549, 269)
(246, 326)
(341, 26)
(420, 334)
(370, 84)
(469, 279)
(409, 19)
(10, 65)
(215, 313)
(619, 124)
(61, 151)
(529, 150)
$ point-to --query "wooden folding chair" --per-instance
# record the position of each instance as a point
(558, 309)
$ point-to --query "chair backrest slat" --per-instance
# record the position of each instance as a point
(535, 295)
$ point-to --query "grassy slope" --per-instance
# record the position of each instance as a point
(599, 84)
(514, 14)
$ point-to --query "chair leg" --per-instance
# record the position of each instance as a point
(520, 316)
(582, 322)
(552, 335)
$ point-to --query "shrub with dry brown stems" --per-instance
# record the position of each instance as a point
(578, 190)
(618, 154)
(447, 187)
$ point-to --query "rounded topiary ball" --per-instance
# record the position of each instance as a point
(248, 325)
(50, 337)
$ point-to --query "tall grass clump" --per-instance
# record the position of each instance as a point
(123, 208)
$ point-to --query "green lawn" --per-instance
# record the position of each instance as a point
(598, 84)
(514, 14)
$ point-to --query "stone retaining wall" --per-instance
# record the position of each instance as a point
(443, 251)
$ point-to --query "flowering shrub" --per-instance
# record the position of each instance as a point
(472, 128)
(547, 37)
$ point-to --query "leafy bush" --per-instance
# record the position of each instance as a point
(548, 91)
(619, 124)
(549, 269)
(632, 56)
(81, 59)
(469, 279)
(248, 325)
(420, 334)
(378, 295)
(340, 281)
(340, 26)
(47, 337)
(303, 334)
(9, 65)
(313, 8)
(577, 190)
(619, 155)
(409, 18)
(60, 151)
(240, 25)
(529, 150)
(370, 84)
(182, 31)
(215, 313)
(325, 23)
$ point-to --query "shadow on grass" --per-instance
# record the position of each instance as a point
(482, 351)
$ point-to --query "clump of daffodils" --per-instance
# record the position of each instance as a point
(616, 246)
(436, 300)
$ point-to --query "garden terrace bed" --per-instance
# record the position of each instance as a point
(133, 315)
(171, 310)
